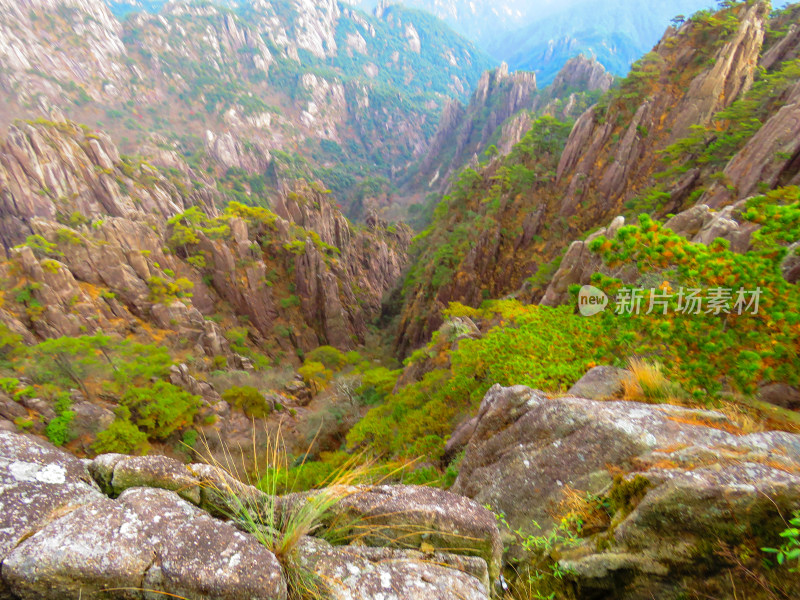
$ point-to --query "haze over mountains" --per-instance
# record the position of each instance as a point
(541, 35)
(537, 35)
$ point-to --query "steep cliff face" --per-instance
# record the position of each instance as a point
(661, 120)
(614, 150)
(77, 43)
(501, 110)
(115, 244)
(465, 131)
(61, 171)
(581, 73)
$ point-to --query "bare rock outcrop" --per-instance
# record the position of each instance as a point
(581, 73)
(96, 245)
(578, 266)
(771, 158)
(28, 46)
(147, 539)
(156, 530)
(681, 477)
(413, 516)
(362, 572)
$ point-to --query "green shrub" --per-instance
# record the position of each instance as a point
(161, 409)
(59, 430)
(167, 292)
(69, 237)
(51, 266)
(790, 551)
(329, 356)
(290, 302)
(9, 384)
(249, 400)
(541, 347)
(377, 384)
(41, 247)
(189, 438)
(67, 361)
(710, 352)
(316, 376)
(121, 437)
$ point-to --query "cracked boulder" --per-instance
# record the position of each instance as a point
(38, 483)
(684, 498)
(356, 572)
(117, 473)
(413, 517)
(148, 539)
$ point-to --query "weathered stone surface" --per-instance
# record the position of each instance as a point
(768, 159)
(153, 472)
(90, 418)
(38, 484)
(299, 390)
(791, 264)
(578, 266)
(780, 394)
(581, 72)
(11, 409)
(673, 539)
(728, 225)
(410, 516)
(462, 131)
(216, 484)
(179, 375)
(459, 438)
(102, 470)
(147, 539)
(600, 383)
(702, 483)
(353, 572)
(570, 441)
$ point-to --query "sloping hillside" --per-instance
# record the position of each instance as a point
(302, 89)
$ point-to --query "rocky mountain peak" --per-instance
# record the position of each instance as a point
(582, 73)
(620, 159)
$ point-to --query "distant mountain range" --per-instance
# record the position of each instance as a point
(616, 32)
(534, 35)
(541, 35)
(479, 20)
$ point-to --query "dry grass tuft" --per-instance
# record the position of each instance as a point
(279, 527)
(646, 383)
(584, 510)
(747, 419)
